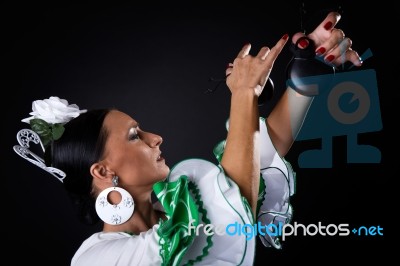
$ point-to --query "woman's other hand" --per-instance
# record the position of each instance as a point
(330, 43)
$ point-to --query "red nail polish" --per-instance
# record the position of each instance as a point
(330, 58)
(328, 25)
(320, 51)
(285, 37)
(303, 43)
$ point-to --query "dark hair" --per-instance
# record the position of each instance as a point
(81, 145)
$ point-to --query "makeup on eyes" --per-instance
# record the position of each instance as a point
(133, 133)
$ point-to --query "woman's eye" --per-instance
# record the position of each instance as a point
(134, 133)
(134, 136)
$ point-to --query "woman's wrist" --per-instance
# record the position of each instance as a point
(243, 94)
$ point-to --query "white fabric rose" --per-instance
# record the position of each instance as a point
(53, 110)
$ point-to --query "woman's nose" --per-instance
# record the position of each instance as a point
(154, 140)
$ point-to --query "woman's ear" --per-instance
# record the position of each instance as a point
(99, 171)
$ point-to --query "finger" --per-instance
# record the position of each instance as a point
(323, 31)
(302, 43)
(336, 37)
(339, 50)
(229, 69)
(351, 56)
(354, 57)
(245, 51)
(276, 50)
(263, 53)
(329, 22)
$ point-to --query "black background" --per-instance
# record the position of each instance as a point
(155, 63)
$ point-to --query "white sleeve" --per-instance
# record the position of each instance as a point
(277, 186)
(117, 248)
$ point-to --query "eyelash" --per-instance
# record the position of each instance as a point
(134, 136)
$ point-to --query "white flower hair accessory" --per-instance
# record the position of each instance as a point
(47, 121)
(48, 117)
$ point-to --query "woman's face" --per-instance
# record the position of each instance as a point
(133, 154)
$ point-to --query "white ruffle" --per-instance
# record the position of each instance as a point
(279, 180)
(224, 205)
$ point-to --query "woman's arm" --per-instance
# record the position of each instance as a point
(285, 120)
(246, 80)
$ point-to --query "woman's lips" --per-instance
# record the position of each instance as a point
(160, 158)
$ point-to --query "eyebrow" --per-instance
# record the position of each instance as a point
(133, 124)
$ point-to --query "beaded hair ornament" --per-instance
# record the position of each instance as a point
(47, 121)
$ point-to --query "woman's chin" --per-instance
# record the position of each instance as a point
(165, 172)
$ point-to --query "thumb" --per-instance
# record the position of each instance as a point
(303, 42)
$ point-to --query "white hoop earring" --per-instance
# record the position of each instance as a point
(115, 214)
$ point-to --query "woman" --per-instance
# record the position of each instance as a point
(114, 169)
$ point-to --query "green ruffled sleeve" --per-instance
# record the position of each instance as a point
(180, 208)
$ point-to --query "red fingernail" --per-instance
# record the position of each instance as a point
(285, 37)
(303, 43)
(330, 58)
(328, 25)
(320, 51)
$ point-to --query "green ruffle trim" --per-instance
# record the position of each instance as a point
(219, 150)
(196, 192)
(180, 209)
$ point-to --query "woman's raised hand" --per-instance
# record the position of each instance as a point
(249, 73)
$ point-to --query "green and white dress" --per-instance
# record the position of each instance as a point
(209, 222)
